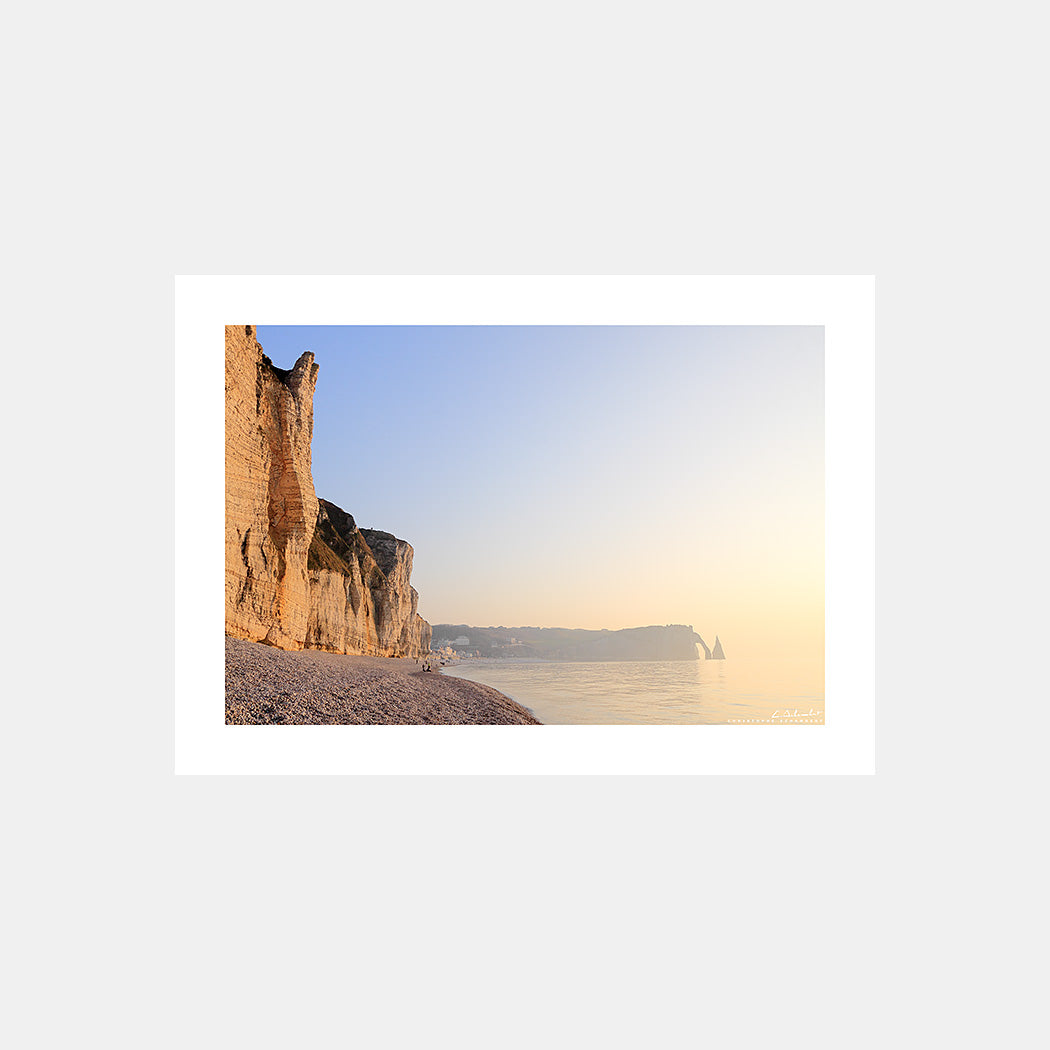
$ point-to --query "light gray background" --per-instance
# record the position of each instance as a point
(753, 912)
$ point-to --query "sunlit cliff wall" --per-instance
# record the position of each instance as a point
(361, 600)
(285, 584)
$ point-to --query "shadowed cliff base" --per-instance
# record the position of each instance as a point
(268, 686)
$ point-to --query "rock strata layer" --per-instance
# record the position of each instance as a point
(299, 573)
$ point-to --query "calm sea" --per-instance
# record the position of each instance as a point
(666, 692)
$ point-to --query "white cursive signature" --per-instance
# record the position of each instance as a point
(795, 713)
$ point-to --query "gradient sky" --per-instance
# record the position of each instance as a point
(585, 476)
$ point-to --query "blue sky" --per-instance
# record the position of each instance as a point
(584, 476)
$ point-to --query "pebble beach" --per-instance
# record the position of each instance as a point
(268, 686)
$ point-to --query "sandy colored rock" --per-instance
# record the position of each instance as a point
(294, 577)
(271, 508)
(361, 598)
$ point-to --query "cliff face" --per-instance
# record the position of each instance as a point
(270, 503)
(286, 584)
(361, 598)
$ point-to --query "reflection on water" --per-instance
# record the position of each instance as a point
(666, 692)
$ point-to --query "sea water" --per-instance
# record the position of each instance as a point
(663, 692)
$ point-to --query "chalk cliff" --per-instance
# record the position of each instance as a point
(672, 642)
(361, 601)
(299, 573)
(271, 508)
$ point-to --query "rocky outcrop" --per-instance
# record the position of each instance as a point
(298, 572)
(361, 600)
(271, 508)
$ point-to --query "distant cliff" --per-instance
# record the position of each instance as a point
(673, 642)
(299, 573)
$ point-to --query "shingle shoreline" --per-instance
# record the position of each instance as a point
(268, 686)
